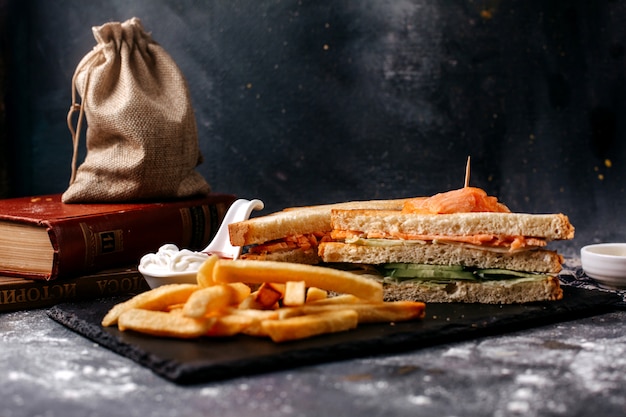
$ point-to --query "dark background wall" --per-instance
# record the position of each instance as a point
(4, 149)
(307, 102)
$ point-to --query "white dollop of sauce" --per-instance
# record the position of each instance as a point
(171, 259)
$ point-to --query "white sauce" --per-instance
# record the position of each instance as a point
(171, 259)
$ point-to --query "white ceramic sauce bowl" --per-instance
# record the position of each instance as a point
(171, 265)
(155, 279)
(605, 263)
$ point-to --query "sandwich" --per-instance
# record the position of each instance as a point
(293, 234)
(457, 246)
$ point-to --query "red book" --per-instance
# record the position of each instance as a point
(43, 238)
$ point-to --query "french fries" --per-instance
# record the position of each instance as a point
(214, 298)
(205, 273)
(160, 323)
(289, 302)
(301, 327)
(314, 294)
(230, 325)
(268, 295)
(367, 312)
(157, 299)
(258, 272)
(295, 293)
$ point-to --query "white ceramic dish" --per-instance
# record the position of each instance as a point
(605, 263)
(168, 277)
(158, 269)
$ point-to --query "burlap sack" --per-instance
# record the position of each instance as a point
(142, 140)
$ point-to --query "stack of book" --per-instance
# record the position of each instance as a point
(52, 252)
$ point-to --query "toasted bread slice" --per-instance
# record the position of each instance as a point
(387, 222)
(537, 260)
(297, 220)
(543, 288)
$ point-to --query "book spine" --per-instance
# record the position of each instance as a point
(89, 244)
(23, 294)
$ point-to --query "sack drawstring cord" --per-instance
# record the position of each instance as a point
(75, 106)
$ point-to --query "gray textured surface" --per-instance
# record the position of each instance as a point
(571, 368)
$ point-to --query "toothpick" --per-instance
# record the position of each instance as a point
(467, 172)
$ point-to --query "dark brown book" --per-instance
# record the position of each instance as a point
(22, 294)
(43, 238)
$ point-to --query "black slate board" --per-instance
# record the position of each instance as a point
(204, 360)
